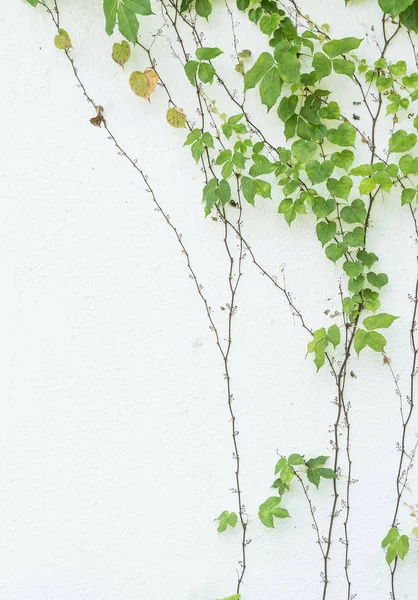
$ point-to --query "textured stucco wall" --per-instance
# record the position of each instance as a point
(115, 437)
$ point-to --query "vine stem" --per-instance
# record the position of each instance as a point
(233, 284)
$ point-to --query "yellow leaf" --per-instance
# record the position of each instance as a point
(62, 40)
(152, 80)
(138, 83)
(121, 52)
(176, 118)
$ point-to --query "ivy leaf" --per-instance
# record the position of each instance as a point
(409, 17)
(344, 67)
(322, 65)
(377, 280)
(303, 150)
(395, 544)
(270, 87)
(295, 459)
(234, 597)
(287, 107)
(401, 141)
(345, 135)
(270, 509)
(408, 164)
(335, 251)
(207, 53)
(367, 185)
(33, 2)
(121, 53)
(318, 345)
(394, 7)
(206, 72)
(381, 321)
(203, 8)
(128, 23)
(248, 189)
(334, 335)
(138, 83)
(185, 5)
(326, 231)
(190, 68)
(288, 66)
(353, 269)
(343, 159)
(319, 172)
(376, 341)
(408, 194)
(340, 188)
(176, 117)
(336, 47)
(62, 40)
(355, 213)
(367, 258)
(226, 518)
(322, 208)
(262, 65)
(355, 237)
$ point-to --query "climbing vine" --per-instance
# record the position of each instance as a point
(330, 170)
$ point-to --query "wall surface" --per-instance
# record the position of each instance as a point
(115, 436)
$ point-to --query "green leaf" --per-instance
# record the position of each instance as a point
(401, 141)
(318, 345)
(408, 164)
(335, 251)
(334, 335)
(355, 213)
(140, 7)
(295, 459)
(319, 172)
(343, 159)
(395, 544)
(340, 188)
(377, 280)
(203, 8)
(33, 2)
(331, 111)
(110, 8)
(408, 194)
(226, 518)
(190, 68)
(248, 189)
(270, 87)
(345, 135)
(336, 47)
(394, 7)
(322, 208)
(234, 597)
(381, 321)
(287, 107)
(262, 65)
(367, 185)
(206, 72)
(355, 237)
(270, 509)
(344, 67)
(326, 231)
(303, 150)
(127, 22)
(409, 17)
(322, 65)
(121, 53)
(353, 269)
(367, 258)
(62, 40)
(288, 66)
(207, 53)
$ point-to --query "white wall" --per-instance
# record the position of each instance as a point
(116, 453)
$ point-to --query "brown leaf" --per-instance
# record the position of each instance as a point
(152, 80)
